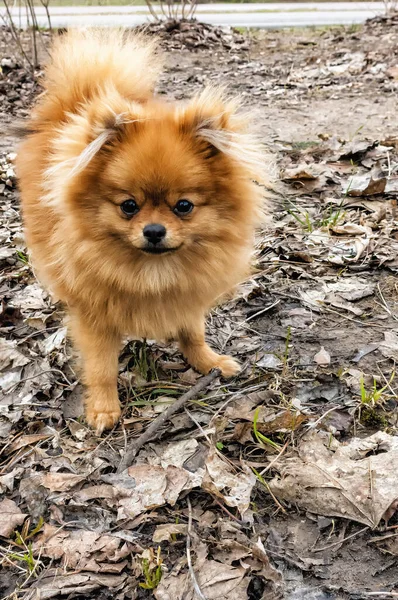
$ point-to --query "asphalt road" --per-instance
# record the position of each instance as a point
(272, 16)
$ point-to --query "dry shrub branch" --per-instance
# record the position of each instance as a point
(25, 10)
(173, 11)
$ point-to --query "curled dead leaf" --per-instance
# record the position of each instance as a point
(10, 357)
(83, 550)
(389, 346)
(10, 517)
(223, 481)
(304, 171)
(322, 358)
(165, 533)
(59, 482)
(367, 184)
(53, 584)
(355, 481)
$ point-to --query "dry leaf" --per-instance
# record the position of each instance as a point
(338, 302)
(389, 346)
(367, 184)
(269, 361)
(10, 517)
(145, 486)
(356, 149)
(313, 298)
(26, 440)
(165, 533)
(304, 171)
(350, 229)
(322, 358)
(223, 481)
(244, 407)
(216, 581)
(6, 253)
(10, 357)
(352, 288)
(83, 550)
(229, 551)
(54, 341)
(355, 481)
(53, 584)
(177, 453)
(30, 298)
(59, 482)
(269, 420)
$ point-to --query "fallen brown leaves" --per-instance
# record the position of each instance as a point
(272, 466)
(355, 481)
(10, 517)
(83, 550)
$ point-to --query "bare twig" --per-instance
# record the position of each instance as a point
(316, 423)
(275, 499)
(257, 314)
(195, 584)
(275, 460)
(380, 595)
(45, 3)
(227, 512)
(385, 304)
(382, 538)
(151, 10)
(31, 56)
(15, 35)
(192, 10)
(153, 429)
(34, 29)
(340, 542)
(172, 10)
(390, 6)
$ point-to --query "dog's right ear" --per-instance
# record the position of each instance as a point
(99, 125)
(107, 120)
(84, 135)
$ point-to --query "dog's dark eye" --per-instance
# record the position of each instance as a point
(129, 207)
(183, 207)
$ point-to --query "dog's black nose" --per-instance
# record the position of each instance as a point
(154, 233)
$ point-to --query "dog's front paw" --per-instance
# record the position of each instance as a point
(228, 365)
(102, 420)
(102, 409)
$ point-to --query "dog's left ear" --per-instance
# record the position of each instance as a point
(209, 112)
(218, 125)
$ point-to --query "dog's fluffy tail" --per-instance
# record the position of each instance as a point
(85, 63)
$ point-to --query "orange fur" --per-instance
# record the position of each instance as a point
(99, 136)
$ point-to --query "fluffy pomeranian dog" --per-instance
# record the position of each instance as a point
(139, 213)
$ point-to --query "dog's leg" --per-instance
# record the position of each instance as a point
(201, 356)
(100, 352)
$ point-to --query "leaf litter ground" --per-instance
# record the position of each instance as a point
(282, 482)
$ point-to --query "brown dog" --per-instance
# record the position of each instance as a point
(139, 213)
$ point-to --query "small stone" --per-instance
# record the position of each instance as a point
(8, 63)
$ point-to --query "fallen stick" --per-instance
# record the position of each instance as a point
(153, 429)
